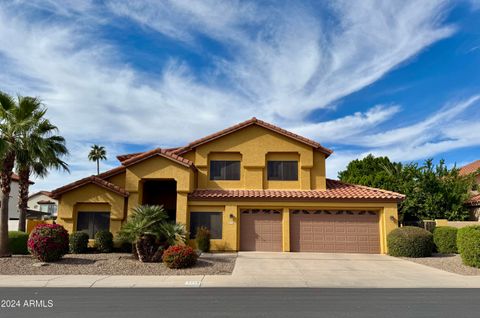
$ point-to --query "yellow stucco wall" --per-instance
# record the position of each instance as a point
(90, 198)
(387, 212)
(255, 145)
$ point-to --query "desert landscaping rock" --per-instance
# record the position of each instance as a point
(113, 264)
(448, 262)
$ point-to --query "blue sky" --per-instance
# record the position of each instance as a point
(395, 78)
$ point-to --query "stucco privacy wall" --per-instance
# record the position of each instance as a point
(91, 198)
(255, 144)
(231, 225)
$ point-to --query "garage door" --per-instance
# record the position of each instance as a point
(261, 230)
(334, 231)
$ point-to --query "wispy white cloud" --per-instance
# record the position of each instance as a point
(280, 63)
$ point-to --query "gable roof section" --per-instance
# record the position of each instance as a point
(336, 190)
(159, 152)
(46, 193)
(111, 172)
(470, 168)
(250, 122)
(91, 179)
(474, 201)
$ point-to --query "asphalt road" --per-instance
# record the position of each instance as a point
(238, 302)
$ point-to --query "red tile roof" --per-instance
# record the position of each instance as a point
(474, 201)
(16, 178)
(254, 121)
(92, 179)
(470, 168)
(124, 157)
(159, 152)
(336, 190)
(45, 202)
(111, 172)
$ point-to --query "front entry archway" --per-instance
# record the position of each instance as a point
(161, 192)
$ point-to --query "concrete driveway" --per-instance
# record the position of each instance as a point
(335, 270)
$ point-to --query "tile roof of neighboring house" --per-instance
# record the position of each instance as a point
(16, 178)
(474, 201)
(91, 179)
(336, 190)
(254, 121)
(470, 168)
(159, 152)
(45, 202)
(46, 193)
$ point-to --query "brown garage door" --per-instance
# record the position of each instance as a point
(334, 231)
(261, 230)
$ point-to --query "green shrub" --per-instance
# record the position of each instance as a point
(48, 242)
(203, 239)
(445, 239)
(17, 242)
(78, 243)
(122, 245)
(468, 243)
(104, 241)
(410, 241)
(179, 256)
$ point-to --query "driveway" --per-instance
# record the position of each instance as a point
(334, 270)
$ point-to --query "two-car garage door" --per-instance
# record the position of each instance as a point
(329, 231)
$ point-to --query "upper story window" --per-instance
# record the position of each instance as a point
(282, 170)
(224, 170)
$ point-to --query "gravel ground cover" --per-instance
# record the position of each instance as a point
(447, 262)
(113, 264)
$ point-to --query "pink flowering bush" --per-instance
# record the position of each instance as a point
(48, 242)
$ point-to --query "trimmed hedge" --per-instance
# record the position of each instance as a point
(410, 241)
(203, 239)
(122, 246)
(78, 243)
(445, 239)
(104, 241)
(468, 242)
(179, 256)
(48, 242)
(17, 242)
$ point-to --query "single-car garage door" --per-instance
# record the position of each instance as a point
(261, 230)
(334, 231)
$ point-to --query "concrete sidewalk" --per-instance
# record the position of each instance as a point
(255, 269)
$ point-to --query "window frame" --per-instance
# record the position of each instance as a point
(92, 229)
(224, 174)
(283, 174)
(217, 234)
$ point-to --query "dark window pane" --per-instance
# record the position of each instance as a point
(282, 170)
(224, 170)
(92, 222)
(211, 220)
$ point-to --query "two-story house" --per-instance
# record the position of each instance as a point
(257, 187)
(473, 202)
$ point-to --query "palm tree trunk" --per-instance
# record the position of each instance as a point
(98, 167)
(5, 180)
(24, 175)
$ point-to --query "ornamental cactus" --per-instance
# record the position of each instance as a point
(48, 242)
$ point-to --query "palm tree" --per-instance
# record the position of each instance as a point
(16, 116)
(39, 149)
(97, 153)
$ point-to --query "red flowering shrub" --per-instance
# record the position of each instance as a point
(179, 256)
(48, 242)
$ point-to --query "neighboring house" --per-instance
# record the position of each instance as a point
(42, 201)
(13, 213)
(257, 187)
(474, 202)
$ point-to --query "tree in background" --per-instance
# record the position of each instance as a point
(97, 153)
(39, 149)
(432, 191)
